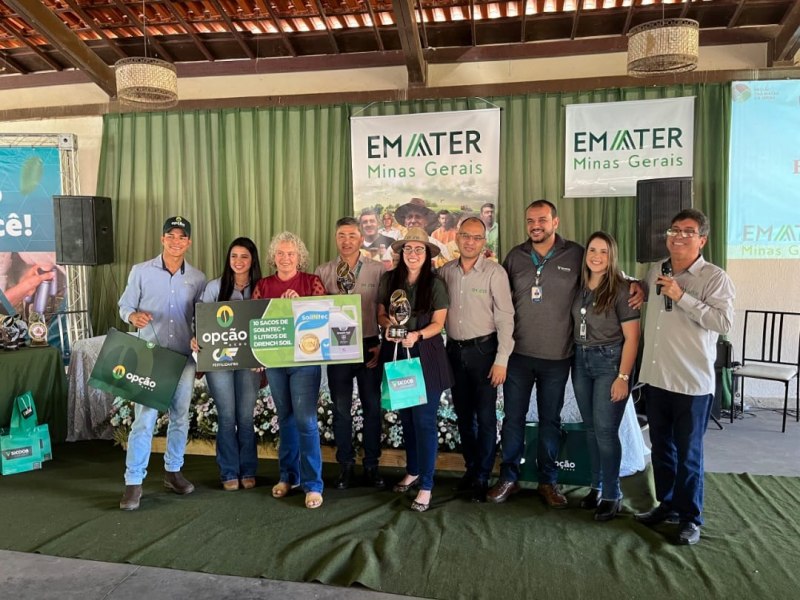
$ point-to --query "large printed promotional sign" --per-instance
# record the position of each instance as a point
(764, 190)
(29, 277)
(428, 170)
(283, 332)
(610, 146)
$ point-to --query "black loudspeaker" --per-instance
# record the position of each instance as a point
(84, 232)
(657, 201)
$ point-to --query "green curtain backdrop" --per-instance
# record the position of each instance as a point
(258, 171)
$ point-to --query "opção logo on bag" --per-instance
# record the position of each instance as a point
(225, 316)
(565, 465)
(404, 383)
(120, 372)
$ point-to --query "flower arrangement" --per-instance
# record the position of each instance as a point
(203, 420)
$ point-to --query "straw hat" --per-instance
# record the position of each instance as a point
(416, 234)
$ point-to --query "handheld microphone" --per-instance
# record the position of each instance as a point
(666, 270)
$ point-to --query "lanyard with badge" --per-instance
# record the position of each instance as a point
(536, 290)
(588, 298)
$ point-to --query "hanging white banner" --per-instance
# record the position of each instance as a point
(612, 145)
(427, 170)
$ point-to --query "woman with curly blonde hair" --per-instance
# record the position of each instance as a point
(295, 390)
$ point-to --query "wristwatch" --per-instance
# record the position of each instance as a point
(623, 376)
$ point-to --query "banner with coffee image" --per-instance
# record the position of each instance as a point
(282, 332)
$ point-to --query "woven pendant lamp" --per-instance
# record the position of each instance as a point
(662, 47)
(146, 82)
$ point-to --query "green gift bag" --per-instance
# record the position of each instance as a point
(23, 414)
(403, 384)
(574, 467)
(140, 371)
(24, 445)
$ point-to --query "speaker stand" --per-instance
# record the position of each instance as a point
(719, 425)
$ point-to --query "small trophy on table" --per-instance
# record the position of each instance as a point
(37, 330)
(345, 278)
(399, 313)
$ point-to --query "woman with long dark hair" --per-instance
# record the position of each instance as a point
(427, 295)
(606, 342)
(235, 391)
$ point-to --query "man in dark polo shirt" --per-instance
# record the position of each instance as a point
(480, 330)
(544, 273)
(367, 274)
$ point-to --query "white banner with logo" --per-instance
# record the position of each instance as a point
(609, 146)
(432, 169)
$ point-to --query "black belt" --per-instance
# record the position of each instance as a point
(473, 341)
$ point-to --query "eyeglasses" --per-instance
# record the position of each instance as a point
(418, 250)
(684, 233)
(475, 238)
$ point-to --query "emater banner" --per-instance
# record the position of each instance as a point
(609, 146)
(447, 162)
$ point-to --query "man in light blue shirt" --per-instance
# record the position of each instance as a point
(159, 301)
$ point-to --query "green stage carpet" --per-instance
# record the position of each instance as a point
(750, 547)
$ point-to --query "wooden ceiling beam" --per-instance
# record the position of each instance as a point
(26, 42)
(150, 39)
(287, 43)
(685, 9)
(232, 28)
(12, 64)
(409, 41)
(62, 37)
(576, 18)
(629, 18)
(322, 16)
(192, 31)
(374, 22)
(787, 42)
(736, 14)
(472, 26)
(76, 8)
(523, 12)
(423, 26)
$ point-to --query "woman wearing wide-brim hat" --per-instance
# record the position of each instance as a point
(427, 295)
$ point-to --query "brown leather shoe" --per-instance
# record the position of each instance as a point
(131, 497)
(501, 491)
(248, 483)
(552, 495)
(231, 485)
(176, 482)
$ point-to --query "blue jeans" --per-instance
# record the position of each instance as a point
(234, 394)
(550, 377)
(340, 382)
(677, 425)
(475, 404)
(140, 439)
(595, 370)
(295, 391)
(421, 439)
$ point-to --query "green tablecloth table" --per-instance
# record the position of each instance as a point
(41, 371)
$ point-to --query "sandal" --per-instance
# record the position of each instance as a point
(313, 500)
(282, 488)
